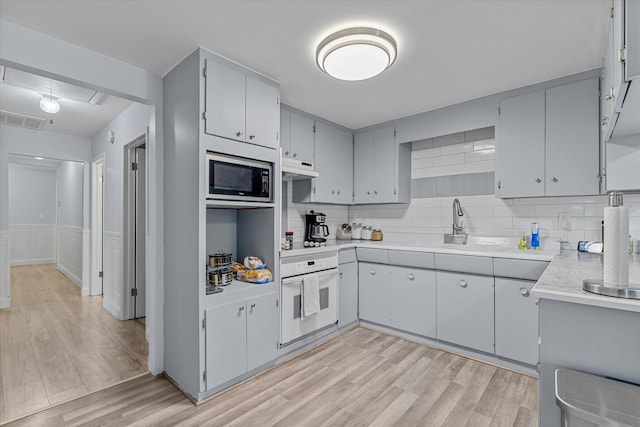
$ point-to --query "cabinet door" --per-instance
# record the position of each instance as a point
(465, 310)
(516, 320)
(384, 165)
(347, 294)
(263, 110)
(572, 133)
(302, 137)
(373, 291)
(520, 142)
(225, 101)
(412, 300)
(262, 331)
(362, 167)
(334, 163)
(285, 132)
(226, 343)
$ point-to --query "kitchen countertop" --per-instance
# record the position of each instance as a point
(562, 280)
(486, 250)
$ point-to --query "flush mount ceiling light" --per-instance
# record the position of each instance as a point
(49, 104)
(356, 53)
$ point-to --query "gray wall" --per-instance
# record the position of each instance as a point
(32, 195)
(129, 125)
(70, 187)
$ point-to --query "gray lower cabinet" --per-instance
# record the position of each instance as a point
(412, 300)
(226, 347)
(465, 304)
(262, 330)
(348, 294)
(240, 337)
(373, 295)
(516, 320)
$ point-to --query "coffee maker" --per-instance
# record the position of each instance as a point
(315, 231)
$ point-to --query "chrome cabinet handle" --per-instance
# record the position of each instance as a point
(286, 153)
(295, 154)
(338, 192)
(554, 179)
(341, 274)
(333, 191)
(373, 272)
(524, 292)
(411, 276)
(375, 192)
(253, 135)
(239, 133)
(252, 307)
(538, 180)
(463, 283)
(240, 309)
(368, 192)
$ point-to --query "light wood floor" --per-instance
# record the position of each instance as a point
(361, 378)
(56, 345)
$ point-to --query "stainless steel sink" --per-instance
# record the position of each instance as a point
(456, 239)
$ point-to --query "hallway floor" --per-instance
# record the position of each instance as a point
(56, 345)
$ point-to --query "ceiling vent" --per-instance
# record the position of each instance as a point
(21, 120)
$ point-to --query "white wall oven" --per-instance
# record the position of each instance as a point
(294, 322)
(238, 179)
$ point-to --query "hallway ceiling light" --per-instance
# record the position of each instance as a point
(49, 104)
(356, 53)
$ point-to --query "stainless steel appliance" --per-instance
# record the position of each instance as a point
(238, 179)
(316, 231)
(294, 270)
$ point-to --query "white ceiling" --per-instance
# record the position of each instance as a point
(449, 50)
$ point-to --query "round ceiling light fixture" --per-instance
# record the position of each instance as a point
(356, 53)
(49, 104)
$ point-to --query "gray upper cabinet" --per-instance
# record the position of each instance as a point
(381, 168)
(241, 106)
(334, 163)
(572, 133)
(297, 137)
(520, 146)
(538, 132)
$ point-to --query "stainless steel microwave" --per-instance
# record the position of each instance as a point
(238, 178)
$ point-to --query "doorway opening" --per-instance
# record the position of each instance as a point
(134, 227)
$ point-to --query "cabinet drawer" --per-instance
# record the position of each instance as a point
(346, 255)
(412, 259)
(378, 256)
(464, 264)
(518, 268)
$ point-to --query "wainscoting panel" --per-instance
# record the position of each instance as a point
(5, 288)
(86, 262)
(70, 253)
(32, 244)
(112, 279)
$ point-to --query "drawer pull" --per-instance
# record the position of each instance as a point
(411, 276)
(373, 272)
(239, 133)
(463, 283)
(253, 135)
(525, 292)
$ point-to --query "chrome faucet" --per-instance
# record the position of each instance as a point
(458, 227)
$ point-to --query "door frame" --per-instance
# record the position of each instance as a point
(97, 250)
(128, 224)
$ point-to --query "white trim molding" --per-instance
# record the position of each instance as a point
(5, 270)
(32, 244)
(86, 262)
(70, 253)
(112, 278)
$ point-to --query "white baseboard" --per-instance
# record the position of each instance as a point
(74, 278)
(5, 302)
(33, 261)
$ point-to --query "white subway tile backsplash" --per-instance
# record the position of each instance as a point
(449, 149)
(479, 156)
(444, 160)
(486, 144)
(476, 167)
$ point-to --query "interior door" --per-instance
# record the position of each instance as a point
(97, 227)
(140, 232)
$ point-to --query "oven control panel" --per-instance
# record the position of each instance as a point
(302, 265)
